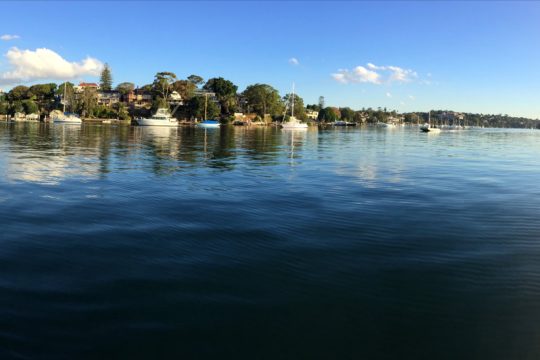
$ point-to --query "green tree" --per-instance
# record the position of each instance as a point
(196, 107)
(225, 92)
(105, 81)
(185, 88)
(30, 107)
(263, 99)
(299, 110)
(313, 107)
(195, 79)
(125, 88)
(163, 83)
(18, 93)
(327, 115)
(4, 108)
(87, 102)
(69, 98)
(347, 113)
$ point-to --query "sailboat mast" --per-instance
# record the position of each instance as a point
(205, 104)
(65, 84)
(292, 107)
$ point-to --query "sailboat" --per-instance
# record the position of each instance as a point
(293, 123)
(428, 127)
(66, 118)
(207, 123)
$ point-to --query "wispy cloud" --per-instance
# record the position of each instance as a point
(388, 95)
(294, 61)
(8, 37)
(29, 65)
(412, 97)
(374, 74)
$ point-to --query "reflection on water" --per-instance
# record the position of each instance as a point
(143, 242)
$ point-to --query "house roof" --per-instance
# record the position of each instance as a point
(88, 84)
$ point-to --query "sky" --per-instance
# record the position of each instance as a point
(480, 57)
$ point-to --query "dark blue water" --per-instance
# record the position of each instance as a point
(122, 242)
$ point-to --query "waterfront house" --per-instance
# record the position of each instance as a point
(83, 85)
(312, 114)
(139, 99)
(175, 98)
(108, 98)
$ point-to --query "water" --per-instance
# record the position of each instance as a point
(125, 242)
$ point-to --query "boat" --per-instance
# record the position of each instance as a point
(207, 123)
(65, 117)
(293, 123)
(344, 123)
(428, 127)
(385, 125)
(162, 117)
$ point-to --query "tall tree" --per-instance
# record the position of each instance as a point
(195, 79)
(185, 88)
(105, 81)
(162, 84)
(263, 99)
(125, 87)
(87, 102)
(225, 92)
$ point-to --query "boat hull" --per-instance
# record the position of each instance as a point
(67, 120)
(294, 126)
(151, 122)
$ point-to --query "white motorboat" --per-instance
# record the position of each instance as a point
(162, 117)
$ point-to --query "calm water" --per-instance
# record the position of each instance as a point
(124, 242)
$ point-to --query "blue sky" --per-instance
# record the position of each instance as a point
(474, 57)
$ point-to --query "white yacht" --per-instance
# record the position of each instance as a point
(162, 117)
(293, 123)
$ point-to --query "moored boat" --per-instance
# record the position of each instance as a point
(162, 117)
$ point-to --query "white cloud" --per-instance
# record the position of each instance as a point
(8, 37)
(374, 74)
(388, 95)
(358, 75)
(294, 61)
(411, 97)
(29, 65)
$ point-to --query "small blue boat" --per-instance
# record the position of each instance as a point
(209, 124)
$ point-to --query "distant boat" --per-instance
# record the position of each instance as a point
(162, 117)
(428, 127)
(65, 117)
(208, 123)
(293, 123)
(385, 125)
(343, 123)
